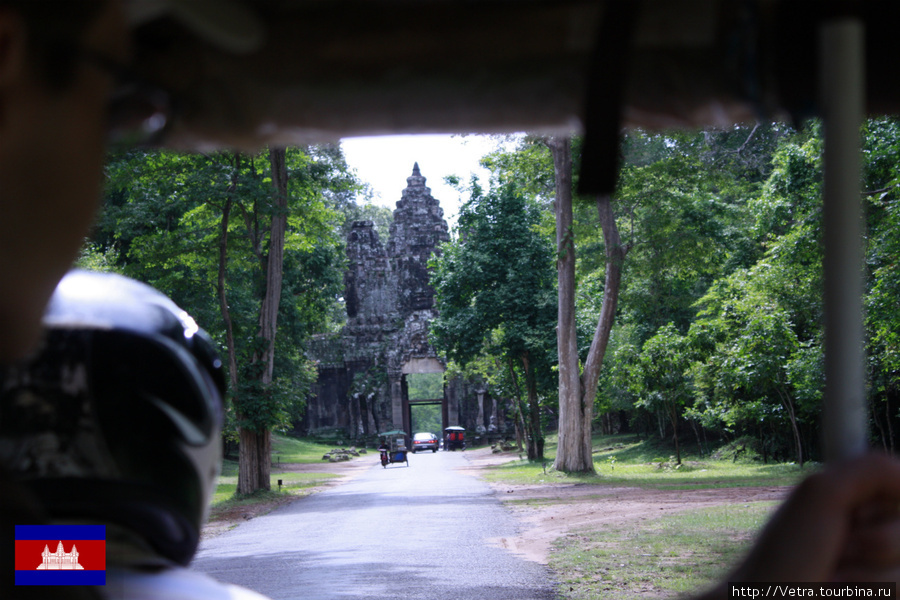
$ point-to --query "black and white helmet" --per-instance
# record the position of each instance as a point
(117, 417)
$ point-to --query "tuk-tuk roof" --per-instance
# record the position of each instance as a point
(499, 66)
(393, 432)
(455, 428)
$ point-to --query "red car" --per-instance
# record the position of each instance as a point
(425, 441)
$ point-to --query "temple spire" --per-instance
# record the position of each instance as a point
(416, 179)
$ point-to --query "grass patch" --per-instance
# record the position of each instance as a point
(226, 507)
(296, 484)
(662, 558)
(625, 460)
(292, 450)
(285, 450)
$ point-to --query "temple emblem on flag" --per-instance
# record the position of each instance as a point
(60, 559)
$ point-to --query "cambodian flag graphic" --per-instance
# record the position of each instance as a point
(60, 555)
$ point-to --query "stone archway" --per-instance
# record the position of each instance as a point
(421, 366)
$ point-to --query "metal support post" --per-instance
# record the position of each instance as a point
(842, 95)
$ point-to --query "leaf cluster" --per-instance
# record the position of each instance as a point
(175, 220)
(494, 287)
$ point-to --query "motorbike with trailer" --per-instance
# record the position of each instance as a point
(393, 448)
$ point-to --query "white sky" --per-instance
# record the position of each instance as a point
(385, 162)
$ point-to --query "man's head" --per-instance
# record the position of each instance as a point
(53, 124)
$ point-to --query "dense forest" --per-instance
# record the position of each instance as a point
(718, 331)
(210, 231)
(717, 335)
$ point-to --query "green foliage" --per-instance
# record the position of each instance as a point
(679, 228)
(745, 449)
(720, 310)
(94, 258)
(758, 331)
(530, 169)
(882, 195)
(381, 217)
(494, 287)
(163, 224)
(426, 417)
(659, 378)
(494, 290)
(425, 386)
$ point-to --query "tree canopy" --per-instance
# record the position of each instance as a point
(201, 229)
(718, 328)
(495, 294)
(719, 324)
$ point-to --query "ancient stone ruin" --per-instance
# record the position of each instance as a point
(361, 388)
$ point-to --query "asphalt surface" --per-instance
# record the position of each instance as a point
(397, 533)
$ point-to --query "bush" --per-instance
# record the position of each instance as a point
(745, 449)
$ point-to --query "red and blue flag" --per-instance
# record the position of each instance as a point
(60, 555)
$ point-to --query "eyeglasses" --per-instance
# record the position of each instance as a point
(139, 113)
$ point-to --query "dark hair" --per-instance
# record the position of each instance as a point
(55, 27)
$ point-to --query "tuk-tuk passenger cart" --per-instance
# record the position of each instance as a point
(393, 448)
(455, 438)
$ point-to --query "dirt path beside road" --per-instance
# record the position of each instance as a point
(549, 511)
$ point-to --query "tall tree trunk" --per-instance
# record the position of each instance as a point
(520, 420)
(673, 418)
(536, 437)
(222, 292)
(254, 461)
(220, 281)
(268, 316)
(887, 418)
(255, 466)
(574, 450)
(615, 257)
(795, 429)
(577, 392)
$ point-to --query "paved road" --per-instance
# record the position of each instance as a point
(397, 533)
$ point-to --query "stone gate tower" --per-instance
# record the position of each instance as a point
(389, 303)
